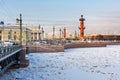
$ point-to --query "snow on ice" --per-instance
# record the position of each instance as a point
(73, 64)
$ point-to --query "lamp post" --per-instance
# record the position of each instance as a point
(20, 29)
(75, 34)
(53, 32)
(60, 33)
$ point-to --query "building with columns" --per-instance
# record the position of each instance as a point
(37, 33)
(29, 33)
(13, 33)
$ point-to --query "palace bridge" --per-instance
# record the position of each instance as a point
(12, 57)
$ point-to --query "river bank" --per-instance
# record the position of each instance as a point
(35, 48)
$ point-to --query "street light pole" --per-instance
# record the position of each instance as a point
(42, 34)
(20, 29)
(53, 32)
(60, 34)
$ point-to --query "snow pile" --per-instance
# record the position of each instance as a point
(73, 64)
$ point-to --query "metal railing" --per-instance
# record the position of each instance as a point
(8, 50)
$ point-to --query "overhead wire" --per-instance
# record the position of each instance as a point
(5, 11)
(8, 15)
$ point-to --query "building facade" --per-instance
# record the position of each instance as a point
(13, 33)
(37, 34)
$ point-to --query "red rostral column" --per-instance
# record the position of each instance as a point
(64, 33)
(82, 26)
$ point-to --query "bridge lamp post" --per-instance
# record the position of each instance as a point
(20, 29)
(19, 21)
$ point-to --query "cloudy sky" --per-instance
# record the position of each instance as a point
(102, 16)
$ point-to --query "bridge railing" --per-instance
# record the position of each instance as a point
(7, 50)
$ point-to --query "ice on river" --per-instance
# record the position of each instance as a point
(73, 64)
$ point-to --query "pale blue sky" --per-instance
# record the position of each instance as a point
(102, 16)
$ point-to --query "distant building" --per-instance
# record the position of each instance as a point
(36, 33)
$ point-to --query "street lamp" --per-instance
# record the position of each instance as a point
(53, 32)
(19, 21)
(60, 33)
(20, 29)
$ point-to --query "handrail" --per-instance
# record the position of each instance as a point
(8, 50)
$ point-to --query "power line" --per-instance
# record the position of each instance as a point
(8, 15)
(5, 11)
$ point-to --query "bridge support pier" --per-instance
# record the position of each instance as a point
(23, 61)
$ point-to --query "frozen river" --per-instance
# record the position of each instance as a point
(73, 64)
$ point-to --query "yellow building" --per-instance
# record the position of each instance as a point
(13, 33)
(37, 33)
